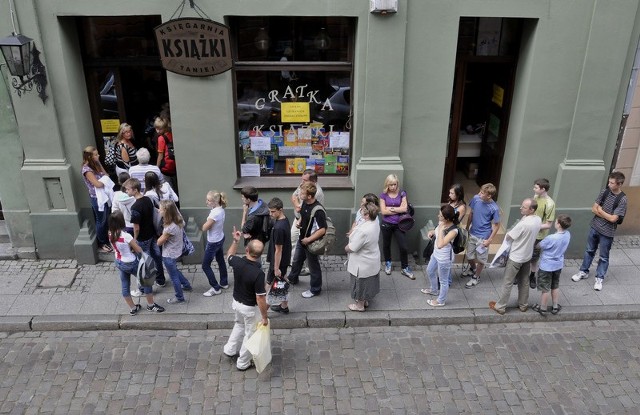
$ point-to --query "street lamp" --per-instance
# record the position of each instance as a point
(23, 61)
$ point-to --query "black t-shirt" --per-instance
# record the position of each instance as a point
(305, 212)
(280, 235)
(248, 280)
(142, 214)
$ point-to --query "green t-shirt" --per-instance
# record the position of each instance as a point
(547, 212)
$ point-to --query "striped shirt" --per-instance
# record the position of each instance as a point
(603, 226)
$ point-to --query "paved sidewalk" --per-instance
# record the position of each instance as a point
(93, 299)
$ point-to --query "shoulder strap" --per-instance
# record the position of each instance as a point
(313, 213)
(605, 193)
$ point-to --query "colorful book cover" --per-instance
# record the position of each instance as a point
(330, 163)
(291, 166)
(300, 163)
(311, 163)
(278, 140)
(290, 138)
(320, 166)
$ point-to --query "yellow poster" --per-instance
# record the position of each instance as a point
(295, 112)
(110, 126)
(498, 95)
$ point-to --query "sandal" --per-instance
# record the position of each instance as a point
(354, 307)
(543, 311)
(429, 291)
(106, 249)
(556, 310)
(435, 303)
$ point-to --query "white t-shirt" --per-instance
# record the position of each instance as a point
(122, 249)
(524, 237)
(444, 254)
(167, 194)
(216, 232)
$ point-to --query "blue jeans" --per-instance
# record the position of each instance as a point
(314, 268)
(594, 240)
(439, 271)
(176, 276)
(126, 270)
(211, 251)
(151, 248)
(101, 221)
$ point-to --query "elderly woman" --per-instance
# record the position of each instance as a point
(125, 150)
(364, 258)
(139, 171)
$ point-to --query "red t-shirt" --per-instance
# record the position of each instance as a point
(169, 165)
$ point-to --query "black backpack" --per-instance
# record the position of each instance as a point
(459, 243)
(619, 196)
(267, 227)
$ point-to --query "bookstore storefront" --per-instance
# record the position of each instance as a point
(434, 92)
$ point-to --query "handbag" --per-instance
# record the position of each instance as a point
(187, 246)
(406, 222)
(278, 292)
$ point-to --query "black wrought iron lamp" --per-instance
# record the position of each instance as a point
(23, 60)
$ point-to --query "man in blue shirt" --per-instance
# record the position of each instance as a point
(484, 220)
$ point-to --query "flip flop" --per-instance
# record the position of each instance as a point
(555, 310)
(435, 303)
(354, 307)
(429, 291)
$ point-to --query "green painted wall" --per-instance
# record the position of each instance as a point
(572, 73)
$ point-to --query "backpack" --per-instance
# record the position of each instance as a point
(459, 243)
(267, 227)
(110, 154)
(158, 224)
(322, 245)
(605, 194)
(169, 153)
(147, 271)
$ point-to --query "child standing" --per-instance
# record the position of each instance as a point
(126, 261)
(551, 262)
(171, 242)
(214, 226)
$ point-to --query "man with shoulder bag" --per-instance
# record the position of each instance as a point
(312, 227)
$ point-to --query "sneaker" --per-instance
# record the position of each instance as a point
(224, 287)
(188, 289)
(532, 281)
(308, 294)
(598, 285)
(160, 285)
(387, 267)
(407, 273)
(211, 292)
(278, 308)
(469, 272)
(472, 282)
(136, 293)
(135, 309)
(155, 307)
(580, 275)
(305, 271)
(174, 301)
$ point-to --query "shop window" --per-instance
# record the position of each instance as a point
(293, 83)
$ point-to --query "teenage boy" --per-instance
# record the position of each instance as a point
(143, 230)
(547, 212)
(552, 249)
(309, 175)
(522, 237)
(608, 209)
(254, 213)
(483, 225)
(312, 227)
(279, 252)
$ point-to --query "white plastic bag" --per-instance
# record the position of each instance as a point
(259, 345)
(500, 260)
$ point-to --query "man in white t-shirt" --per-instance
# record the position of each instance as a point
(138, 171)
(522, 237)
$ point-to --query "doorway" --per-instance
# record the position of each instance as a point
(486, 62)
(124, 76)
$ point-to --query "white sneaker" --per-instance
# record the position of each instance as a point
(469, 272)
(598, 285)
(580, 275)
(211, 292)
(472, 282)
(308, 294)
(136, 293)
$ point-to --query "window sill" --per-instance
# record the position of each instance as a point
(280, 182)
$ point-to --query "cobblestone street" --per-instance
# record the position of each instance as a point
(555, 368)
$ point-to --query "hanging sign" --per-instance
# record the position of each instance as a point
(194, 47)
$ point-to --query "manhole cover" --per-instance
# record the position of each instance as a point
(58, 277)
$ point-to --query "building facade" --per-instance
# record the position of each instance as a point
(501, 91)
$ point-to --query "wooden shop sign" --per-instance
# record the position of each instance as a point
(194, 47)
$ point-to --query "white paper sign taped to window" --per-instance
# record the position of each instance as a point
(249, 170)
(339, 140)
(260, 143)
(288, 151)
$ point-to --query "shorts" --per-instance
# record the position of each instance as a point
(548, 280)
(536, 251)
(472, 244)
